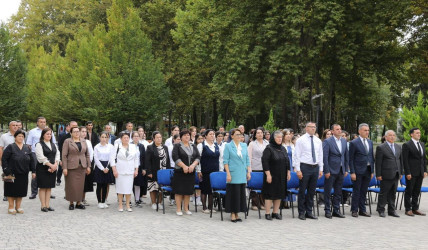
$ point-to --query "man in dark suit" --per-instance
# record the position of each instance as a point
(112, 138)
(62, 137)
(415, 169)
(336, 167)
(361, 162)
(91, 135)
(389, 168)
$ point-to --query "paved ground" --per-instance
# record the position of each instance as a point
(145, 228)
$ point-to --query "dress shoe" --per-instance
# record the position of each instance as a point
(302, 217)
(393, 214)
(338, 215)
(32, 197)
(409, 213)
(417, 212)
(277, 216)
(5, 198)
(51, 209)
(381, 214)
(328, 215)
(268, 217)
(311, 216)
(80, 206)
(71, 207)
(354, 214)
(58, 183)
(238, 220)
(44, 209)
(52, 196)
(365, 214)
(234, 221)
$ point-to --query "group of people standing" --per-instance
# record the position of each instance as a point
(131, 163)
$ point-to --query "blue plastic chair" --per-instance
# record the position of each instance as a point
(320, 189)
(164, 182)
(292, 189)
(400, 190)
(373, 188)
(347, 187)
(255, 185)
(218, 185)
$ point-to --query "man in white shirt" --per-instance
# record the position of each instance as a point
(33, 138)
(174, 131)
(6, 139)
(308, 163)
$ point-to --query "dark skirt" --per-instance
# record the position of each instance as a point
(205, 184)
(89, 181)
(140, 180)
(74, 184)
(101, 177)
(45, 179)
(276, 190)
(17, 188)
(183, 184)
(235, 198)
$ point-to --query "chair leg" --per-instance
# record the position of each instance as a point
(248, 206)
(163, 203)
(280, 207)
(259, 201)
(401, 202)
(292, 205)
(196, 207)
(318, 210)
(370, 203)
(157, 200)
(221, 208)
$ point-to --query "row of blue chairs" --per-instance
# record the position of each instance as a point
(218, 185)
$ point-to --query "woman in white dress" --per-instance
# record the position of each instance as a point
(125, 169)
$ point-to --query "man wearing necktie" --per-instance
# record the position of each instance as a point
(336, 167)
(308, 163)
(361, 162)
(389, 168)
(415, 169)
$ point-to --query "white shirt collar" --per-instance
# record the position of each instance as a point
(415, 141)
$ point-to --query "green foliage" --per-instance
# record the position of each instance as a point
(220, 122)
(231, 125)
(270, 124)
(416, 116)
(13, 82)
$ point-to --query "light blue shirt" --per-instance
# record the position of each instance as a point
(34, 137)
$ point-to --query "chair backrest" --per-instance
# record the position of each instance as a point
(293, 182)
(196, 178)
(218, 180)
(403, 180)
(164, 177)
(320, 182)
(256, 181)
(373, 182)
(347, 182)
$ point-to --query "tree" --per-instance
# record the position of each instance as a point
(270, 124)
(13, 82)
(416, 117)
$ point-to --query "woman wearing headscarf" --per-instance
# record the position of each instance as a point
(276, 167)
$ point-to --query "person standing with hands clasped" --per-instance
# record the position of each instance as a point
(389, 169)
(103, 156)
(238, 169)
(276, 167)
(125, 169)
(361, 162)
(17, 160)
(308, 163)
(48, 158)
(415, 169)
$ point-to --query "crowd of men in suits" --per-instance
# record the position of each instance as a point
(333, 159)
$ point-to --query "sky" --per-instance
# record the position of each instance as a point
(8, 8)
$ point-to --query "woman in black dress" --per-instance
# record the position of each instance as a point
(17, 160)
(48, 158)
(276, 168)
(186, 157)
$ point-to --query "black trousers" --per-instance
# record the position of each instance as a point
(361, 184)
(335, 181)
(388, 189)
(411, 195)
(34, 189)
(59, 174)
(308, 182)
